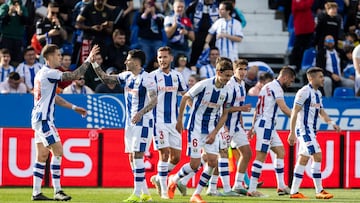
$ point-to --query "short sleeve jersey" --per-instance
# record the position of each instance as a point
(168, 87)
(238, 92)
(45, 85)
(227, 47)
(266, 104)
(136, 89)
(311, 102)
(208, 101)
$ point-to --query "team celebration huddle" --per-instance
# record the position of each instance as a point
(215, 124)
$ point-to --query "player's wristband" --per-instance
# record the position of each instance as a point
(95, 65)
(73, 107)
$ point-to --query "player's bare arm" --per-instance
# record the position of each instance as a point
(152, 103)
(284, 108)
(186, 99)
(62, 102)
(79, 72)
(328, 120)
(244, 108)
(211, 137)
(292, 137)
(107, 79)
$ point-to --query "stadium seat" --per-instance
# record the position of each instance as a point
(344, 92)
(309, 59)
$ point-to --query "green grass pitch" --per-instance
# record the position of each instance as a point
(116, 195)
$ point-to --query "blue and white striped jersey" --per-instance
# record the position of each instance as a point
(45, 85)
(311, 102)
(5, 72)
(227, 47)
(28, 72)
(168, 87)
(136, 95)
(238, 90)
(207, 104)
(207, 71)
(266, 105)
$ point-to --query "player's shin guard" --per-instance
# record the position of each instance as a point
(255, 174)
(223, 166)
(56, 172)
(297, 179)
(204, 178)
(38, 175)
(139, 176)
(316, 173)
(279, 168)
(162, 175)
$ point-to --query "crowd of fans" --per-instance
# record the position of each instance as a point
(330, 30)
(197, 32)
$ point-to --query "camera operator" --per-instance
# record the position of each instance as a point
(49, 29)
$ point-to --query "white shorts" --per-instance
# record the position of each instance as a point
(45, 132)
(137, 138)
(196, 142)
(266, 138)
(308, 145)
(166, 135)
(239, 139)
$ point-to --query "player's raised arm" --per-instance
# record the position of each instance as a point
(80, 71)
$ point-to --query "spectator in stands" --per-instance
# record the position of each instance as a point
(49, 30)
(263, 79)
(356, 60)
(228, 32)
(97, 23)
(13, 84)
(255, 69)
(304, 26)
(208, 71)
(153, 65)
(179, 30)
(111, 88)
(14, 18)
(151, 26)
(78, 33)
(238, 15)
(92, 80)
(180, 65)
(351, 15)
(65, 66)
(329, 60)
(122, 15)
(193, 79)
(5, 67)
(78, 87)
(28, 69)
(116, 52)
(328, 23)
(203, 14)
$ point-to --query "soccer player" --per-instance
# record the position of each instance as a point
(356, 62)
(210, 99)
(47, 138)
(168, 140)
(271, 97)
(233, 132)
(140, 98)
(306, 110)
